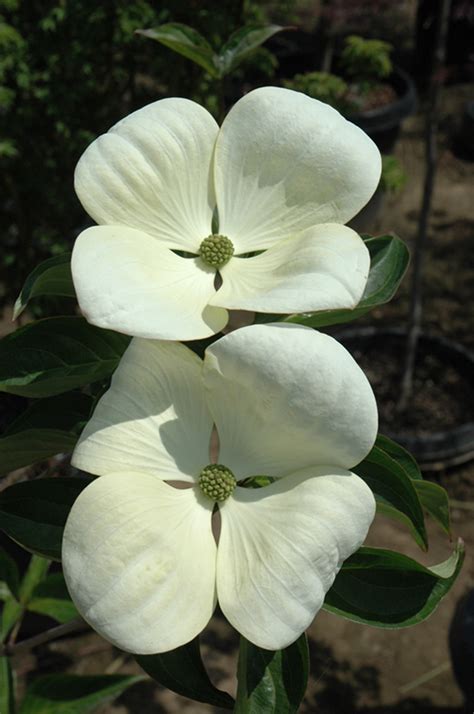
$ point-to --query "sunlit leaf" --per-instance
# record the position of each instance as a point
(186, 41)
(387, 589)
(432, 497)
(52, 277)
(241, 43)
(394, 491)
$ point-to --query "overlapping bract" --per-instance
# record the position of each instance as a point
(284, 172)
(139, 555)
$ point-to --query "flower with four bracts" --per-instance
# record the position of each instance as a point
(166, 530)
(259, 203)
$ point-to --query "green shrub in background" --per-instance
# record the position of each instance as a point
(324, 86)
(366, 61)
(363, 64)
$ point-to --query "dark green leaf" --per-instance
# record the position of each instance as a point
(435, 499)
(431, 496)
(32, 445)
(51, 598)
(13, 609)
(183, 671)
(72, 694)
(67, 412)
(394, 491)
(56, 355)
(389, 261)
(186, 41)
(387, 589)
(33, 513)
(271, 682)
(241, 43)
(49, 426)
(9, 574)
(52, 277)
(7, 692)
(400, 455)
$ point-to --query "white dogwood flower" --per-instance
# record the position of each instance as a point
(283, 174)
(139, 555)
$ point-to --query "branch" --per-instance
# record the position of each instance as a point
(432, 118)
(76, 625)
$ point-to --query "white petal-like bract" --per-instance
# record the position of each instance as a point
(139, 560)
(285, 162)
(153, 419)
(128, 282)
(323, 268)
(281, 547)
(284, 398)
(152, 171)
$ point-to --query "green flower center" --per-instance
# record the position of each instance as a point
(216, 250)
(217, 482)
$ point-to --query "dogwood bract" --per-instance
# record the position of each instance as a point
(139, 555)
(282, 174)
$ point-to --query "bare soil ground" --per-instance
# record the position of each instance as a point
(357, 669)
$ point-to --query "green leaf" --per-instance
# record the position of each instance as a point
(73, 694)
(271, 682)
(52, 277)
(435, 500)
(387, 589)
(400, 455)
(51, 598)
(49, 426)
(241, 43)
(9, 574)
(183, 671)
(57, 354)
(67, 412)
(7, 692)
(431, 496)
(28, 447)
(185, 41)
(13, 609)
(4, 591)
(394, 491)
(34, 513)
(389, 261)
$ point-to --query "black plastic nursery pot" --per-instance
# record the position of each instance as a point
(443, 392)
(383, 124)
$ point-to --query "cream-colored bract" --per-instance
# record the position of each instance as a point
(284, 173)
(139, 556)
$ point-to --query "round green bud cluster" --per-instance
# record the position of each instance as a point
(216, 250)
(217, 482)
